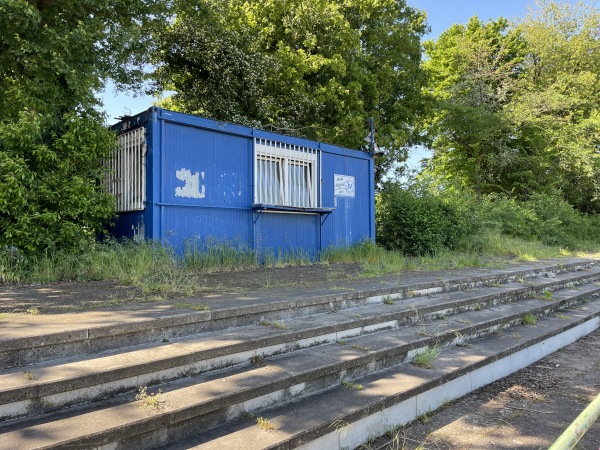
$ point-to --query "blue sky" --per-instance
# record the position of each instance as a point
(441, 15)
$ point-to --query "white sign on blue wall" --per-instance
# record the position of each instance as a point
(343, 185)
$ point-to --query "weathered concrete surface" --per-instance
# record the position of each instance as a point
(212, 399)
(25, 339)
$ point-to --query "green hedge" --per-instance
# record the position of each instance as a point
(416, 223)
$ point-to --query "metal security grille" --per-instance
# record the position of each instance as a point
(285, 174)
(126, 178)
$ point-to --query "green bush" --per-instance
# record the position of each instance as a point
(507, 216)
(50, 191)
(559, 223)
(547, 219)
(416, 223)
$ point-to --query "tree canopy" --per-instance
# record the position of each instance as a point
(314, 68)
(516, 106)
(54, 55)
(509, 108)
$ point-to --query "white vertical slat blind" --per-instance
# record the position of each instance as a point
(285, 174)
(126, 178)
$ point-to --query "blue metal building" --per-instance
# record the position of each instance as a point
(178, 177)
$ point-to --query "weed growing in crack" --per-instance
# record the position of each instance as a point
(426, 417)
(275, 324)
(528, 319)
(423, 332)
(350, 385)
(149, 400)
(562, 316)
(426, 357)
(360, 347)
(265, 424)
(191, 306)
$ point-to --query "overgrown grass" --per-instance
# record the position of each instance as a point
(484, 249)
(160, 271)
(212, 254)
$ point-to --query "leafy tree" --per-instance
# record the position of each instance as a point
(54, 54)
(474, 69)
(557, 109)
(517, 106)
(49, 180)
(307, 67)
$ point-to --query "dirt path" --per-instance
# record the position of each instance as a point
(526, 411)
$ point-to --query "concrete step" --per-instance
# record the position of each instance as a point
(19, 348)
(209, 400)
(345, 418)
(50, 386)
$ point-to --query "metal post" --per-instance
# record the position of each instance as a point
(372, 134)
(577, 429)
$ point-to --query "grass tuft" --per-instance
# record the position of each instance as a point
(29, 376)
(265, 424)
(350, 385)
(149, 400)
(426, 357)
(387, 300)
(528, 319)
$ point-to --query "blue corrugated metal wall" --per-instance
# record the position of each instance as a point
(284, 234)
(207, 182)
(200, 186)
(350, 222)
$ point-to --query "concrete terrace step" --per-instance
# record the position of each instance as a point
(50, 386)
(343, 418)
(27, 341)
(212, 399)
